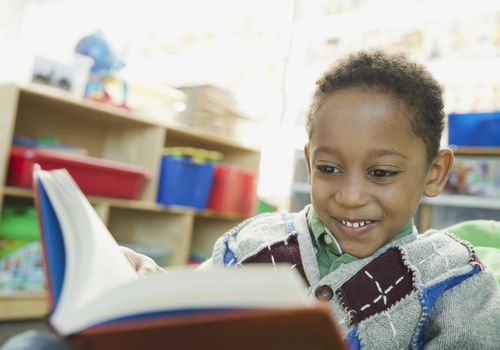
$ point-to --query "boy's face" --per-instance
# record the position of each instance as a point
(367, 169)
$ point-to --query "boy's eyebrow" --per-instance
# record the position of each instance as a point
(325, 149)
(374, 153)
(387, 152)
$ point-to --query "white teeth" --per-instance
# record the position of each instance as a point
(355, 224)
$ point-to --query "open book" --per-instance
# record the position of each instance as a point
(98, 300)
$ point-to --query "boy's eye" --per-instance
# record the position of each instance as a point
(379, 173)
(327, 169)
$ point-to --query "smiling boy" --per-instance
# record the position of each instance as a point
(367, 169)
(374, 126)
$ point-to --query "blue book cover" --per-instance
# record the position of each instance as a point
(52, 241)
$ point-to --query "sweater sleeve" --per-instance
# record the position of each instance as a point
(466, 316)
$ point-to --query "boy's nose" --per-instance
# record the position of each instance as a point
(351, 193)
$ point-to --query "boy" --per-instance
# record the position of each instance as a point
(374, 127)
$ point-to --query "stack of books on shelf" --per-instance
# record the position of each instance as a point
(215, 110)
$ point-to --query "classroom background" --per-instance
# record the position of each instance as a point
(179, 119)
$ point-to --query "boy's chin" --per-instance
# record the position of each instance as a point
(361, 251)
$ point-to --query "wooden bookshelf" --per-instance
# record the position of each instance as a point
(455, 202)
(119, 135)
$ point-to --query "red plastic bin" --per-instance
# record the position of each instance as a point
(233, 191)
(97, 177)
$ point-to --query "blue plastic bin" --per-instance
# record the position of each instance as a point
(185, 181)
(474, 129)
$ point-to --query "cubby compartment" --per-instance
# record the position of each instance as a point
(207, 229)
(235, 154)
(171, 231)
(100, 131)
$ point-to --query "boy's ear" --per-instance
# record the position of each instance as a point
(438, 173)
(307, 155)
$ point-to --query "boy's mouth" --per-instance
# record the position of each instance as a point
(355, 227)
(355, 224)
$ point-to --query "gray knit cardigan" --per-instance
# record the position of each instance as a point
(422, 291)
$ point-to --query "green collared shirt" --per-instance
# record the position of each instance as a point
(328, 252)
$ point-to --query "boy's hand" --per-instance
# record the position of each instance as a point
(141, 263)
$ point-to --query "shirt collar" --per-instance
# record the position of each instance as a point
(318, 229)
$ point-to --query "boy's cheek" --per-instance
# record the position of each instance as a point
(320, 193)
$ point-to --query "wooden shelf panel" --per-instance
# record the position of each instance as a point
(477, 151)
(464, 201)
(104, 132)
(136, 205)
(17, 192)
(95, 110)
(234, 153)
(50, 97)
(210, 214)
(206, 231)
(23, 305)
(192, 135)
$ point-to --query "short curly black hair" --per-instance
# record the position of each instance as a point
(391, 73)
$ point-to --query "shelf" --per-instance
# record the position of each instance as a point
(185, 132)
(476, 151)
(47, 96)
(301, 187)
(52, 96)
(464, 201)
(128, 137)
(244, 156)
(136, 205)
(210, 214)
(23, 305)
(112, 202)
(17, 192)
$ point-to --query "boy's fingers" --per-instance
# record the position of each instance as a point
(142, 264)
(146, 266)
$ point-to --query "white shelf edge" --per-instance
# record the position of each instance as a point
(301, 187)
(463, 201)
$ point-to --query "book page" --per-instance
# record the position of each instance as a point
(94, 262)
(180, 291)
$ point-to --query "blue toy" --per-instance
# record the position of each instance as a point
(106, 64)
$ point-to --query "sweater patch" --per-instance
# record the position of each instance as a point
(393, 328)
(379, 285)
(283, 251)
(352, 339)
(229, 257)
(430, 295)
(436, 256)
(474, 259)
